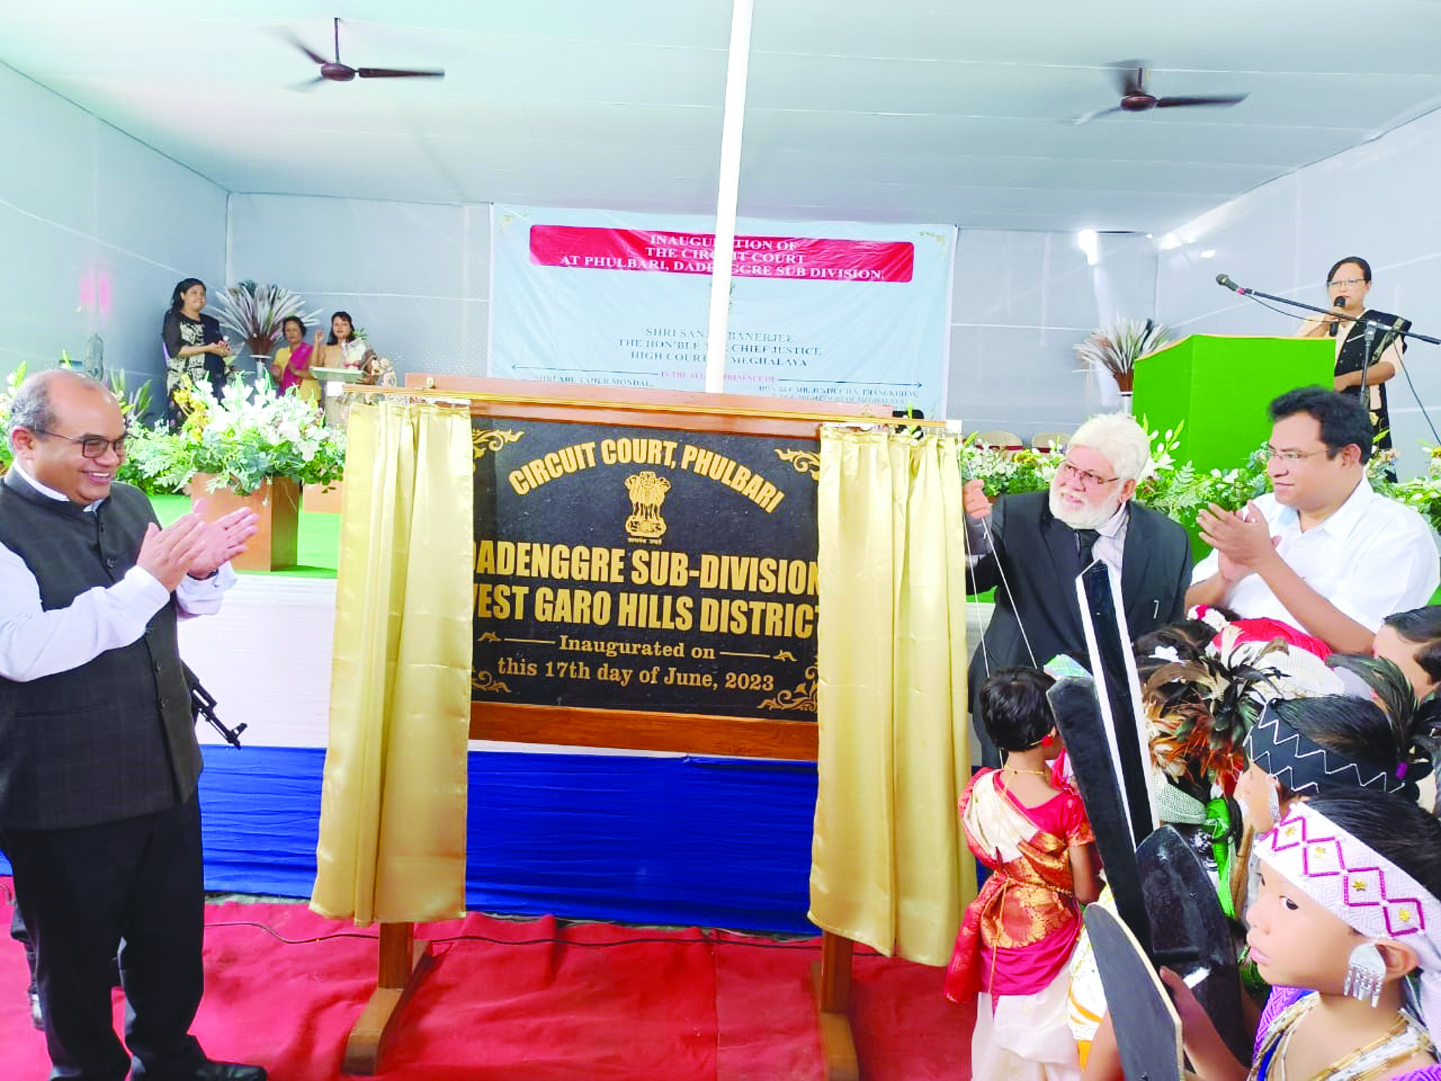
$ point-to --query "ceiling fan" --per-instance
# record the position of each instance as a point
(336, 72)
(1131, 81)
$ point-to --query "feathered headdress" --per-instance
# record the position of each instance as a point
(1201, 709)
(1199, 712)
(1415, 726)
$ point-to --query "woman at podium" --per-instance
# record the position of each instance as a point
(1347, 286)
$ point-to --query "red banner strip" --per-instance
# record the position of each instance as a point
(797, 257)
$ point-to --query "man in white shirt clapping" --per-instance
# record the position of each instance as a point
(1323, 552)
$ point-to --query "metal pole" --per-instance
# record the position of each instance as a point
(737, 66)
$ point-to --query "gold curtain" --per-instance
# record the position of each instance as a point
(888, 860)
(392, 816)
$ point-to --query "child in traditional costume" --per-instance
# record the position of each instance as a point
(1348, 908)
(1204, 683)
(1014, 945)
(1310, 754)
(1307, 747)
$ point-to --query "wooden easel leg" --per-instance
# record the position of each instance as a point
(403, 963)
(831, 981)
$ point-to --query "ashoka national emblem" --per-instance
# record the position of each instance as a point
(647, 492)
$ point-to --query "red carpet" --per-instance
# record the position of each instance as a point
(688, 1007)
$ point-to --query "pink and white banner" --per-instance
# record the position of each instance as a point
(832, 311)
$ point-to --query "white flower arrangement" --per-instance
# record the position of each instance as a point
(1178, 490)
(1423, 492)
(250, 435)
(1210, 616)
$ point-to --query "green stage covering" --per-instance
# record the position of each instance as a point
(319, 540)
(1216, 391)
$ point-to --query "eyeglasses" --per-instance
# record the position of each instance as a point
(1347, 282)
(1290, 456)
(91, 446)
(1084, 477)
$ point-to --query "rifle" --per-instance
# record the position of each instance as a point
(202, 704)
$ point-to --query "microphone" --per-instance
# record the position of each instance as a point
(1335, 324)
(1224, 280)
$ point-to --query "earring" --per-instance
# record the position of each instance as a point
(1047, 740)
(1273, 804)
(1364, 972)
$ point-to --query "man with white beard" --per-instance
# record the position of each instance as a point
(1030, 547)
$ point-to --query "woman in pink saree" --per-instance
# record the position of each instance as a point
(291, 366)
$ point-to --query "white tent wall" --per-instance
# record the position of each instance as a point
(415, 276)
(1021, 303)
(96, 228)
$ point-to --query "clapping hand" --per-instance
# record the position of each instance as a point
(1242, 539)
(167, 554)
(223, 539)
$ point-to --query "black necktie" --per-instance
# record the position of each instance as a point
(1085, 541)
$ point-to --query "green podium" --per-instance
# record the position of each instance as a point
(1220, 387)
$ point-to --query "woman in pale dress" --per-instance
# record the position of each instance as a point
(343, 349)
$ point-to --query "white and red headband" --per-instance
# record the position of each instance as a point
(1362, 888)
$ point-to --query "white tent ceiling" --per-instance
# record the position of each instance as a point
(918, 110)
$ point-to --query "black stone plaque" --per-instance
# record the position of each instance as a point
(644, 569)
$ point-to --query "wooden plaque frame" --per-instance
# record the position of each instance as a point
(403, 961)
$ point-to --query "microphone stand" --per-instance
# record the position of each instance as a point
(1372, 323)
(1388, 333)
(1361, 395)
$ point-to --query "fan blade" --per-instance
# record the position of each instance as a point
(1088, 117)
(1130, 77)
(306, 49)
(1171, 103)
(398, 73)
(308, 85)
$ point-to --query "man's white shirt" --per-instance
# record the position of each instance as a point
(1371, 558)
(35, 642)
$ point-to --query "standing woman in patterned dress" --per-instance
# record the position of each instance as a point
(194, 346)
